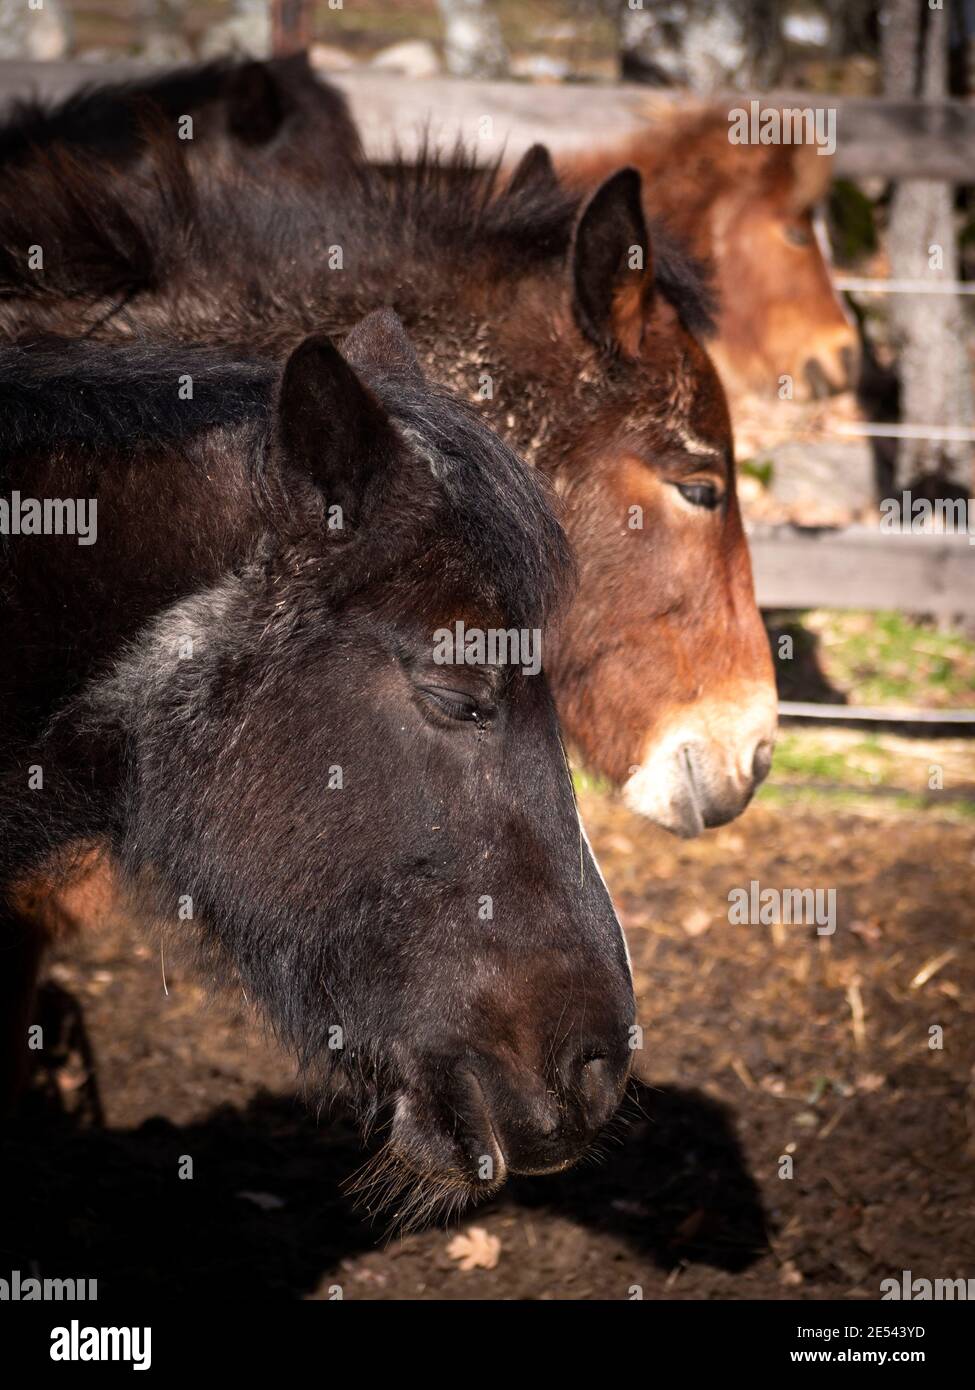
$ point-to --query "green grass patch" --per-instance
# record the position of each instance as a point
(883, 658)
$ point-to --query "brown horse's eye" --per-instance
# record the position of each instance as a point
(797, 235)
(700, 494)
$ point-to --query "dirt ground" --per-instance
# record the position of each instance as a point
(761, 1043)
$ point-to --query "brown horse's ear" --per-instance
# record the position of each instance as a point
(380, 341)
(333, 431)
(534, 170)
(812, 174)
(612, 265)
(255, 104)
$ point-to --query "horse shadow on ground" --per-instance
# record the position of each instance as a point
(799, 673)
(265, 1213)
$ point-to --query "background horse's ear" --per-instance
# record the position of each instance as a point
(379, 341)
(333, 430)
(255, 104)
(612, 265)
(534, 170)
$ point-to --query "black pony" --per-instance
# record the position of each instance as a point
(235, 691)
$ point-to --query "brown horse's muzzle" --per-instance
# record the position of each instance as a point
(704, 767)
(834, 363)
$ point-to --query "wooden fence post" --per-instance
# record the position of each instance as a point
(290, 26)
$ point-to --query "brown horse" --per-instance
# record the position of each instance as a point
(576, 328)
(748, 210)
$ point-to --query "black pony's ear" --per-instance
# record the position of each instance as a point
(534, 170)
(333, 431)
(255, 104)
(612, 265)
(380, 342)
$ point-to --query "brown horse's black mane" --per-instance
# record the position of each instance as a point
(107, 234)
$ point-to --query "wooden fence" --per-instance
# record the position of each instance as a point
(794, 567)
(889, 139)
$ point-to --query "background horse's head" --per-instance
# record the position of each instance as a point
(749, 211)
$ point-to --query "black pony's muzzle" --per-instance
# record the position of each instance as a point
(489, 1117)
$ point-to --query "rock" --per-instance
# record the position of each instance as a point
(473, 46)
(811, 30)
(537, 67)
(246, 34)
(675, 43)
(325, 57)
(828, 475)
(43, 35)
(412, 58)
(98, 55)
(165, 50)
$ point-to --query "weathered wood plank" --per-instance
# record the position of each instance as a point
(874, 714)
(875, 137)
(863, 568)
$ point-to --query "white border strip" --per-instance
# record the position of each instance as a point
(854, 282)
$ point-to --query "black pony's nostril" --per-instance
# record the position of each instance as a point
(599, 1089)
(762, 761)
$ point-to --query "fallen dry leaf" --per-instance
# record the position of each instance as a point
(697, 922)
(475, 1249)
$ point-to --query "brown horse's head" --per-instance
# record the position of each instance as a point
(748, 209)
(662, 673)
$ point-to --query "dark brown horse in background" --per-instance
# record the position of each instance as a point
(577, 328)
(265, 116)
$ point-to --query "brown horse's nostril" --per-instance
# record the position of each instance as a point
(762, 761)
(819, 383)
(848, 357)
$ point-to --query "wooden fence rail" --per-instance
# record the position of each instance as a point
(892, 139)
(794, 567)
(860, 567)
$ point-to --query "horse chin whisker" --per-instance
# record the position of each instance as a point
(391, 1188)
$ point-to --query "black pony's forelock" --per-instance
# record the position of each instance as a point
(449, 198)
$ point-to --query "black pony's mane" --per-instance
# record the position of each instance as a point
(102, 396)
(439, 214)
(119, 398)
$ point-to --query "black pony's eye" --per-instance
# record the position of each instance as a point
(700, 494)
(456, 704)
(797, 235)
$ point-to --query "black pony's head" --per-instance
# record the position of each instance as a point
(344, 755)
